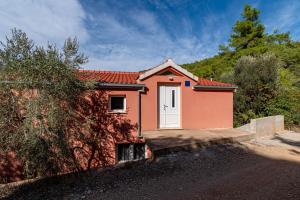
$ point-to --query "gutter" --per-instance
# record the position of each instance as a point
(227, 88)
(120, 85)
(5, 82)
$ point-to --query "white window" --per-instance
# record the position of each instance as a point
(117, 103)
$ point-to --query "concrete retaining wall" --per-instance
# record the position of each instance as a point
(266, 126)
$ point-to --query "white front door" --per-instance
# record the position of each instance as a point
(169, 106)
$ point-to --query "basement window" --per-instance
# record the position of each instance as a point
(117, 104)
(130, 152)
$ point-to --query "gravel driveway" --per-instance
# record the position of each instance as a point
(262, 169)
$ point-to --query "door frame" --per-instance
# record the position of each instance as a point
(178, 85)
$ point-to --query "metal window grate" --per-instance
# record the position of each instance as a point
(128, 152)
(139, 151)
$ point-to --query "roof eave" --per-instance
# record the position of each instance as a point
(206, 87)
(119, 85)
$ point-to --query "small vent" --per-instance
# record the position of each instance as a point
(167, 73)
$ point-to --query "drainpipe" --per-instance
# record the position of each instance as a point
(139, 111)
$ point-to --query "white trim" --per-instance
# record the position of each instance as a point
(164, 126)
(167, 63)
(119, 110)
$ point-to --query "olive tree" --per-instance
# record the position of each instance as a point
(38, 89)
(257, 79)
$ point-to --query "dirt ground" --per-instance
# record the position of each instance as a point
(261, 169)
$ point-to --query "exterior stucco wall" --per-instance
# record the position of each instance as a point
(199, 109)
(115, 125)
(150, 99)
(207, 109)
(121, 127)
(131, 103)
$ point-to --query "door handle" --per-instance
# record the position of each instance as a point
(165, 106)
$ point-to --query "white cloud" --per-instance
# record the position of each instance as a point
(285, 19)
(144, 41)
(128, 39)
(44, 21)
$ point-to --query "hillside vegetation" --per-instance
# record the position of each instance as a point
(265, 67)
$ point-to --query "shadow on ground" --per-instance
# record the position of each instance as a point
(215, 171)
(287, 141)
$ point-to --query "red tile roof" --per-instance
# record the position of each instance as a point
(109, 76)
(205, 82)
(131, 78)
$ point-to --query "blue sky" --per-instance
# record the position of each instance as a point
(136, 34)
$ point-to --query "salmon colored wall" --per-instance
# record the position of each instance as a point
(116, 127)
(11, 169)
(199, 109)
(150, 99)
(207, 109)
(131, 103)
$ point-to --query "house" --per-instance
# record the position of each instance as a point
(164, 97)
(124, 105)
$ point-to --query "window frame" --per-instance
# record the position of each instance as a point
(117, 110)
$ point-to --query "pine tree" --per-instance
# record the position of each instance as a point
(249, 32)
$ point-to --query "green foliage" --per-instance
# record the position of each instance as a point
(287, 102)
(249, 39)
(39, 88)
(212, 67)
(249, 32)
(257, 80)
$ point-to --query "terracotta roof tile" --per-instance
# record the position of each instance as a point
(131, 78)
(205, 82)
(109, 76)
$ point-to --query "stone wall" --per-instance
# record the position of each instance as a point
(266, 126)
